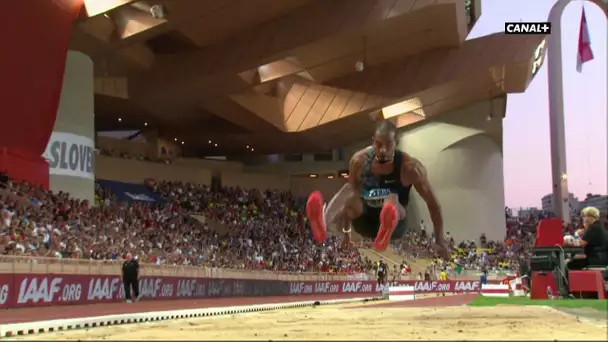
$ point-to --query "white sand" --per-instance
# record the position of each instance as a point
(342, 323)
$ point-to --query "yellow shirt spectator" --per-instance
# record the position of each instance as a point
(443, 276)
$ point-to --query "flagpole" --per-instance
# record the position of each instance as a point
(559, 174)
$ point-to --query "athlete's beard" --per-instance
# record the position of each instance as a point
(385, 160)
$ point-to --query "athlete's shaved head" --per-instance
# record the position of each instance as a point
(384, 141)
(385, 127)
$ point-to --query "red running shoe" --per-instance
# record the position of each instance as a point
(388, 222)
(315, 213)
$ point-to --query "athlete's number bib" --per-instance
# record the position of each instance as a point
(375, 197)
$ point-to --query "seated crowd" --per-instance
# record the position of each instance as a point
(470, 255)
(266, 231)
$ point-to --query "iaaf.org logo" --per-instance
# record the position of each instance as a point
(528, 28)
(4, 292)
(448, 286)
(300, 288)
(356, 287)
(382, 288)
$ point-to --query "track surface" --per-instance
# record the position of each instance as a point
(23, 315)
(334, 322)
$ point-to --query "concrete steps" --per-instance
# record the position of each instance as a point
(213, 225)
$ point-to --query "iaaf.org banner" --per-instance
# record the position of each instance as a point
(440, 286)
(24, 290)
(70, 155)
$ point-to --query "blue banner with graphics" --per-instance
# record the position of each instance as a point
(131, 193)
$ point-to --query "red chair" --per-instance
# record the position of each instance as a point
(587, 281)
(549, 233)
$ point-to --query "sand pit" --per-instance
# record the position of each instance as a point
(334, 323)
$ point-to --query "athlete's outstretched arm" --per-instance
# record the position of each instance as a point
(416, 173)
(335, 207)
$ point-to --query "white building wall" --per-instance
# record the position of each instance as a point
(465, 168)
(547, 204)
(600, 202)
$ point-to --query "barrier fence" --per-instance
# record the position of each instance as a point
(27, 282)
(45, 265)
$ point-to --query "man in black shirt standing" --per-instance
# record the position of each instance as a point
(382, 272)
(130, 277)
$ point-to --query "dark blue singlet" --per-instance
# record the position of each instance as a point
(375, 189)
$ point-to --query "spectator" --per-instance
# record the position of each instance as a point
(483, 279)
(267, 229)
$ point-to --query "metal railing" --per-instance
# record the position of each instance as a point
(492, 274)
(44, 265)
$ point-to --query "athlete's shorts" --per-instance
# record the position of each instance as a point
(368, 223)
(381, 277)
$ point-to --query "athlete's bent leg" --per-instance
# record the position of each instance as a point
(394, 199)
(392, 212)
(346, 226)
(320, 216)
(336, 205)
(353, 208)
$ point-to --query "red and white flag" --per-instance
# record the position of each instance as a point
(584, 53)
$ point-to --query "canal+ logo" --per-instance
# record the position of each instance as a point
(528, 28)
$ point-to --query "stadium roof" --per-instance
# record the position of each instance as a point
(290, 75)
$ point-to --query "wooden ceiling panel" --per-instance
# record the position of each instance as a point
(235, 17)
(188, 11)
(336, 107)
(296, 117)
(199, 77)
(319, 108)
